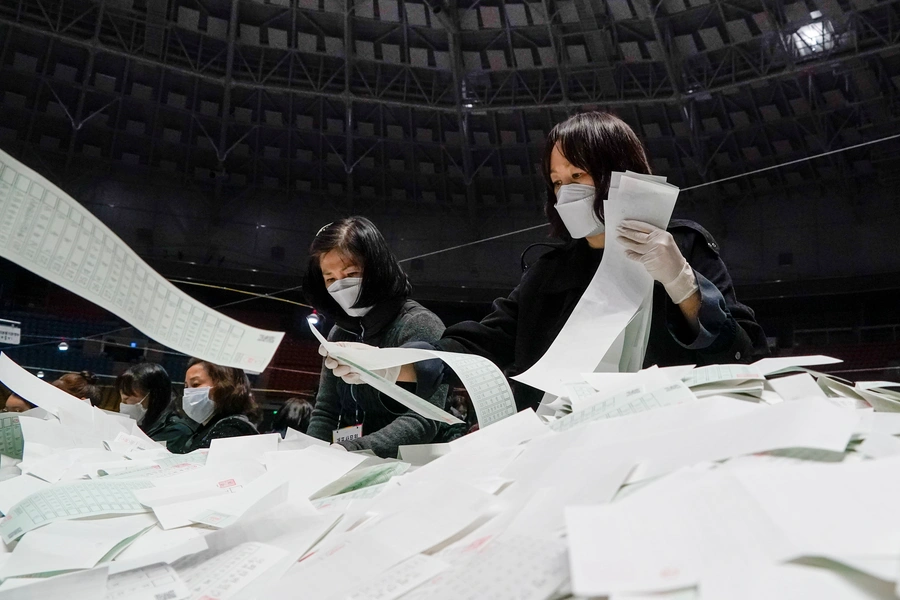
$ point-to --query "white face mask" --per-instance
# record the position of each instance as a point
(197, 404)
(575, 206)
(346, 292)
(135, 411)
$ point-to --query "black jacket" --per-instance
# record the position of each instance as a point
(387, 424)
(218, 427)
(521, 327)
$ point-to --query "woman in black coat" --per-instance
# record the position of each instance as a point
(696, 318)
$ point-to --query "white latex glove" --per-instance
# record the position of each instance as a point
(656, 249)
(349, 374)
(338, 447)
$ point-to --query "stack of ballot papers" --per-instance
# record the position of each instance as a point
(718, 482)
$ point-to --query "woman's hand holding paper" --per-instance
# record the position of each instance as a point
(656, 249)
(349, 373)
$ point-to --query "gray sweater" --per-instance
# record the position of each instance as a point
(386, 423)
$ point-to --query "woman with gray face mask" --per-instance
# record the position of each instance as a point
(696, 318)
(356, 283)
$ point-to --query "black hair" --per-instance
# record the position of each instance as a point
(599, 143)
(295, 413)
(359, 239)
(150, 379)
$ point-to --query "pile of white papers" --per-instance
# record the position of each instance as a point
(716, 482)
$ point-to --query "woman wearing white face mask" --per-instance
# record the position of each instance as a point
(145, 391)
(353, 279)
(696, 318)
(218, 402)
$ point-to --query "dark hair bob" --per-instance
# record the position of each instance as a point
(359, 239)
(599, 143)
(230, 390)
(148, 379)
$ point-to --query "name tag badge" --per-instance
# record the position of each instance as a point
(345, 434)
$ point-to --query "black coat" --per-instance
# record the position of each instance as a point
(217, 427)
(522, 326)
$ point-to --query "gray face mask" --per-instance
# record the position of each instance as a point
(575, 206)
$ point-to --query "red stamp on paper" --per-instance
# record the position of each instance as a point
(227, 483)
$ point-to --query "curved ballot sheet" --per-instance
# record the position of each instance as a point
(73, 501)
(486, 384)
(47, 232)
(11, 441)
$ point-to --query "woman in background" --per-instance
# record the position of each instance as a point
(145, 392)
(296, 414)
(219, 404)
(81, 385)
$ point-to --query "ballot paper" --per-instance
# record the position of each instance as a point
(803, 423)
(18, 488)
(310, 469)
(222, 575)
(512, 431)
(340, 567)
(372, 471)
(71, 501)
(46, 231)
(720, 379)
(404, 397)
(398, 580)
(132, 444)
(155, 582)
(418, 519)
(422, 454)
(35, 390)
(175, 501)
(163, 468)
(81, 585)
(262, 494)
(487, 386)
(654, 542)
(881, 400)
(246, 447)
(627, 403)
(71, 545)
(849, 509)
(775, 365)
(793, 582)
(295, 440)
(158, 546)
(342, 501)
(508, 567)
(888, 423)
(794, 387)
(11, 441)
(611, 300)
(879, 445)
